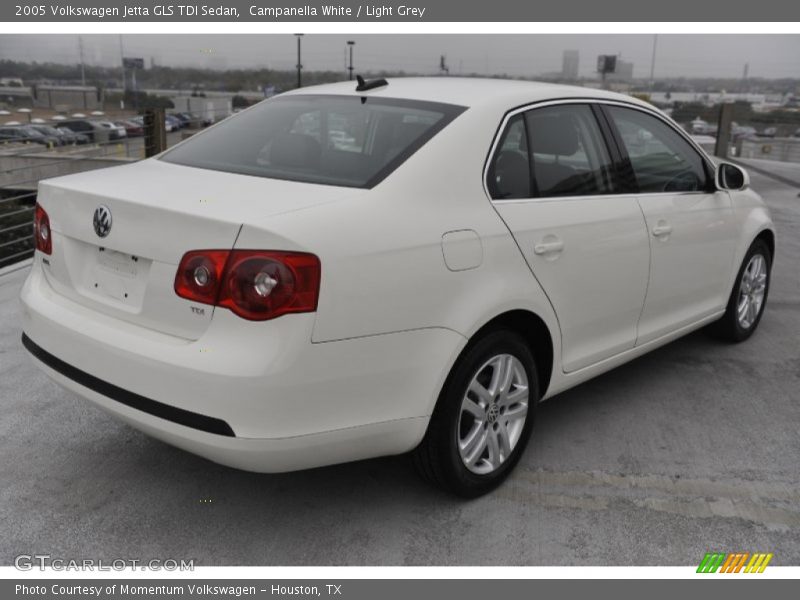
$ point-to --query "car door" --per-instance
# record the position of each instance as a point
(552, 180)
(690, 224)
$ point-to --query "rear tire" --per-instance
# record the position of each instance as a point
(483, 418)
(749, 296)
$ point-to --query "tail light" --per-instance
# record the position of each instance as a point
(43, 237)
(255, 284)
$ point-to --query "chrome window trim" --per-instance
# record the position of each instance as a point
(589, 101)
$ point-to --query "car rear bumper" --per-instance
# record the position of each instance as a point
(256, 396)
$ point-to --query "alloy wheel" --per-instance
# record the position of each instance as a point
(493, 413)
(751, 291)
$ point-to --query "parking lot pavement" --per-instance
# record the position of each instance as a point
(785, 172)
(695, 447)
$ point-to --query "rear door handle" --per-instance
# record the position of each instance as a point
(549, 247)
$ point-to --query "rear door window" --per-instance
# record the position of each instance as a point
(548, 152)
(568, 152)
(509, 173)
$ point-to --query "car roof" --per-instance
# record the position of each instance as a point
(469, 91)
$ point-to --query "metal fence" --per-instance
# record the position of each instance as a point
(24, 162)
(780, 149)
(23, 165)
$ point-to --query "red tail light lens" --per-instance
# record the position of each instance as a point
(42, 235)
(199, 275)
(255, 284)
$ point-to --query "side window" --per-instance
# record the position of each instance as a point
(509, 172)
(569, 155)
(662, 160)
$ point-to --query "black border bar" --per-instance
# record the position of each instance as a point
(128, 398)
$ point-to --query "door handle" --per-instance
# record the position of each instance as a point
(662, 229)
(548, 247)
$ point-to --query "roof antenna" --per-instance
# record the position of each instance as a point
(364, 85)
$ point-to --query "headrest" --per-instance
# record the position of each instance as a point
(294, 150)
(553, 134)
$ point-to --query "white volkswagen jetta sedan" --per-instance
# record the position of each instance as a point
(344, 272)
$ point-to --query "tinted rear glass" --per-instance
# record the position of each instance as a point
(334, 140)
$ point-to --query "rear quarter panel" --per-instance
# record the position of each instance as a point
(383, 268)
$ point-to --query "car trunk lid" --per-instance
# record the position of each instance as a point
(158, 212)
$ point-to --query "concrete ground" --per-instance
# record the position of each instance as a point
(692, 448)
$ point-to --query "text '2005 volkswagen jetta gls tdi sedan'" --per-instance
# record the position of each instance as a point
(345, 272)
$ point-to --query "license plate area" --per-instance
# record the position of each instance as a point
(117, 277)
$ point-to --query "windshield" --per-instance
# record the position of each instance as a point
(334, 140)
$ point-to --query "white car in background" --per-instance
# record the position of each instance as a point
(116, 132)
(273, 299)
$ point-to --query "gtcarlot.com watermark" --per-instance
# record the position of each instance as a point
(43, 562)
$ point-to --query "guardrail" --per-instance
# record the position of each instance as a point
(780, 149)
(21, 169)
(23, 163)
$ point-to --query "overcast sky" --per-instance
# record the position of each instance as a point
(769, 56)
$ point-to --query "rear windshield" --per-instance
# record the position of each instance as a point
(333, 140)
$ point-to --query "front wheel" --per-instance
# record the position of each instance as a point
(748, 297)
(484, 417)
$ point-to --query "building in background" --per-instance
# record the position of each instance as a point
(570, 65)
(14, 93)
(209, 109)
(623, 72)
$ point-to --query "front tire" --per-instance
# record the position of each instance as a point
(483, 419)
(748, 297)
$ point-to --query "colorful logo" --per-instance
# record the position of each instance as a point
(736, 562)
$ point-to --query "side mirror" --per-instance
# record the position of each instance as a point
(731, 177)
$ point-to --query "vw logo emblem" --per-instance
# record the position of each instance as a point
(102, 221)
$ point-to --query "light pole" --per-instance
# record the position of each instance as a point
(653, 62)
(83, 67)
(299, 62)
(124, 77)
(351, 43)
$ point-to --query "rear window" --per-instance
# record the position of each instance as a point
(332, 140)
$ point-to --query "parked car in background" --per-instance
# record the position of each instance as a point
(52, 132)
(743, 132)
(64, 136)
(78, 137)
(495, 244)
(131, 127)
(116, 132)
(183, 119)
(701, 127)
(85, 127)
(30, 135)
(12, 134)
(769, 132)
(172, 123)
